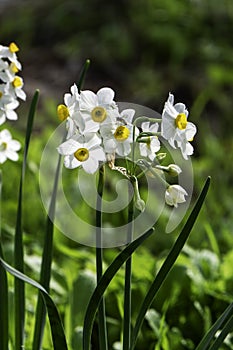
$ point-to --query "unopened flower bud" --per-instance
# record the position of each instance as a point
(139, 203)
(174, 170)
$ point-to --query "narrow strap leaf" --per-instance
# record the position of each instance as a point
(209, 336)
(83, 74)
(169, 262)
(58, 336)
(45, 274)
(103, 284)
(4, 319)
(225, 331)
(18, 242)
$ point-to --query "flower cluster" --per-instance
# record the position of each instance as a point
(98, 132)
(11, 89)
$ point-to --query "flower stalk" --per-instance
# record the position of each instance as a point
(99, 260)
(128, 272)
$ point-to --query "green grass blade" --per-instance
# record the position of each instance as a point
(18, 242)
(4, 320)
(225, 331)
(209, 336)
(58, 336)
(103, 284)
(169, 262)
(83, 74)
(45, 274)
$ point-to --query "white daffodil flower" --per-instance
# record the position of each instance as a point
(175, 128)
(174, 195)
(9, 52)
(97, 109)
(16, 87)
(83, 151)
(70, 111)
(118, 136)
(150, 144)
(8, 147)
(7, 111)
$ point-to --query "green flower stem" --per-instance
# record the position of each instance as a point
(103, 343)
(107, 277)
(4, 321)
(128, 273)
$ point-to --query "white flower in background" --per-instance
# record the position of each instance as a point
(150, 144)
(174, 195)
(97, 109)
(117, 137)
(7, 110)
(8, 147)
(3, 65)
(83, 151)
(9, 52)
(175, 128)
(16, 87)
(184, 144)
(70, 112)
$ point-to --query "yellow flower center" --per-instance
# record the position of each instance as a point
(62, 112)
(3, 146)
(99, 114)
(181, 121)
(13, 47)
(82, 154)
(121, 133)
(17, 82)
(13, 68)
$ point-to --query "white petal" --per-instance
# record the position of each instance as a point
(12, 155)
(3, 157)
(190, 131)
(154, 127)
(143, 149)
(128, 115)
(109, 145)
(88, 100)
(71, 162)
(105, 96)
(21, 94)
(170, 98)
(145, 126)
(15, 145)
(92, 140)
(2, 118)
(91, 165)
(11, 115)
(68, 147)
(181, 108)
(5, 135)
(98, 153)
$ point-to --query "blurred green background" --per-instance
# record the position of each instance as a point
(142, 49)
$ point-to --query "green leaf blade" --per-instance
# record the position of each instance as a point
(169, 262)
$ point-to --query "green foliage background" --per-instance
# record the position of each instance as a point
(143, 50)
